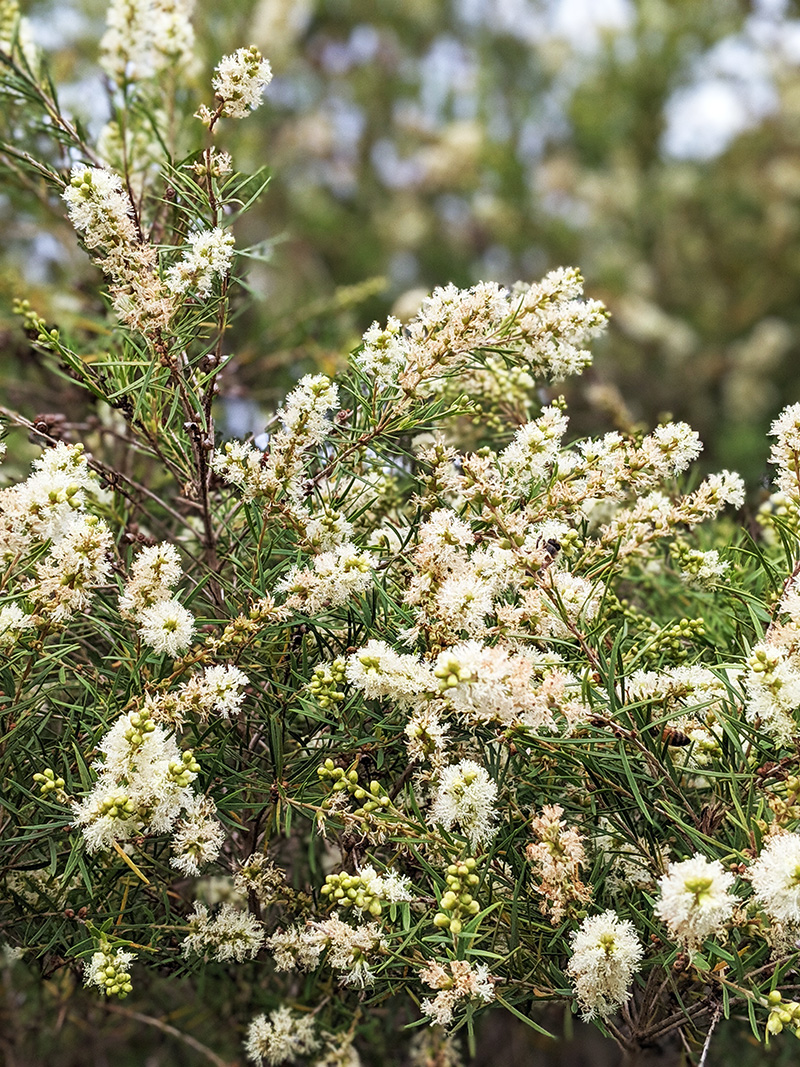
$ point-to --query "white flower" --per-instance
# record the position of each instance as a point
(349, 947)
(772, 683)
(379, 671)
(198, 836)
(330, 582)
(284, 1036)
(231, 934)
(425, 735)
(78, 563)
(786, 450)
(671, 448)
(532, 453)
(154, 573)
(385, 352)
(702, 568)
(99, 208)
(606, 953)
(695, 899)
(145, 36)
(217, 689)
(143, 784)
(13, 621)
(167, 627)
(775, 877)
(305, 409)
(108, 970)
(296, 947)
(209, 257)
(240, 80)
(457, 982)
(466, 796)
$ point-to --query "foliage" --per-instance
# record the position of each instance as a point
(412, 705)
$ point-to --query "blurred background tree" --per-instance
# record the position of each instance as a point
(415, 142)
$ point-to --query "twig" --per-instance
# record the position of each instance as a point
(712, 1027)
(165, 1028)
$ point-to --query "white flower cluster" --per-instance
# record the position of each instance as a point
(557, 855)
(485, 683)
(144, 37)
(55, 552)
(230, 934)
(197, 837)
(164, 624)
(786, 450)
(332, 580)
(458, 982)
(533, 453)
(384, 352)
(280, 1038)
(260, 876)
(378, 671)
(775, 877)
(692, 698)
(108, 970)
(606, 953)
(281, 471)
(465, 797)
(13, 622)
(102, 212)
(239, 83)
(144, 787)
(348, 948)
(367, 891)
(209, 257)
(772, 679)
(426, 737)
(214, 690)
(695, 901)
(545, 325)
(702, 568)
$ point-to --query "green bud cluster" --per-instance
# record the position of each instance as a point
(675, 639)
(33, 323)
(118, 806)
(141, 725)
(183, 772)
(782, 1013)
(780, 513)
(116, 981)
(451, 673)
(688, 560)
(374, 797)
(787, 807)
(325, 682)
(457, 903)
(350, 891)
(48, 783)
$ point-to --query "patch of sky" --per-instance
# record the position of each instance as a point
(731, 90)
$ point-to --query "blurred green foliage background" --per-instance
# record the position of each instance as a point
(652, 143)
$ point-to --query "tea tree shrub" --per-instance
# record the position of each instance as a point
(412, 706)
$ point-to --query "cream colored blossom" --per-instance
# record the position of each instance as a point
(696, 901)
(606, 953)
(280, 1038)
(465, 797)
(775, 877)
